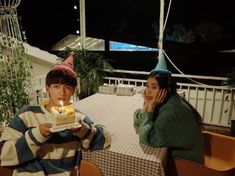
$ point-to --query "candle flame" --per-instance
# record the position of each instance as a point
(62, 104)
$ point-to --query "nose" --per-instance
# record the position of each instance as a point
(147, 90)
(62, 90)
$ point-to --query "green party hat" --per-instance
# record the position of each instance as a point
(161, 66)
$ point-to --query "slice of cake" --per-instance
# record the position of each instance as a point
(63, 115)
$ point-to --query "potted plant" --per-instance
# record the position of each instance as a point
(14, 77)
(90, 67)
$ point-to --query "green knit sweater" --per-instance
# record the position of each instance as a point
(173, 126)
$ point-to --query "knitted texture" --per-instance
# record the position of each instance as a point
(174, 126)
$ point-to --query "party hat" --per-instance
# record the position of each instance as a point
(161, 66)
(67, 65)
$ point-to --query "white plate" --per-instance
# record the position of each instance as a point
(64, 127)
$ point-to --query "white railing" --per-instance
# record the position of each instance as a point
(215, 103)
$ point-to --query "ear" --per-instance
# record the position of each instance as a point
(74, 90)
(47, 88)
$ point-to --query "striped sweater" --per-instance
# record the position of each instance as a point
(23, 146)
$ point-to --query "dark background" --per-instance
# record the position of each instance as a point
(48, 21)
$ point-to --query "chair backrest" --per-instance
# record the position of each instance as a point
(182, 167)
(219, 151)
(6, 171)
(219, 158)
(89, 168)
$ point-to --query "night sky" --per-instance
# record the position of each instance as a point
(48, 21)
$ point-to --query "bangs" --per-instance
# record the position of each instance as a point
(60, 77)
(59, 80)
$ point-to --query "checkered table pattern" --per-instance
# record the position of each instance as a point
(126, 156)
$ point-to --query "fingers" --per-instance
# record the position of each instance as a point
(75, 130)
(45, 129)
(157, 98)
(78, 119)
(160, 97)
(47, 125)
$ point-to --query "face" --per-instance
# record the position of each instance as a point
(59, 92)
(152, 88)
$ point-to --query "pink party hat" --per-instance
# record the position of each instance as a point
(67, 65)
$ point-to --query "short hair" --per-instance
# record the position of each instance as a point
(60, 77)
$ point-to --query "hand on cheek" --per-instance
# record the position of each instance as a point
(145, 95)
(161, 96)
(158, 98)
(146, 102)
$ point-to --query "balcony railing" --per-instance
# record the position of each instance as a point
(214, 102)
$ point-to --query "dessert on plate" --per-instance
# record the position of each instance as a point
(63, 118)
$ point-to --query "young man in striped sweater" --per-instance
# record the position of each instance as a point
(28, 144)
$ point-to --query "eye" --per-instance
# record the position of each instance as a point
(68, 88)
(153, 86)
(56, 86)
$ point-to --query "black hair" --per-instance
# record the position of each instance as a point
(167, 82)
(60, 77)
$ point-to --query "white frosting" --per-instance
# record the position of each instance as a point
(60, 118)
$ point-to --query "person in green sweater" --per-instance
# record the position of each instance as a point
(168, 120)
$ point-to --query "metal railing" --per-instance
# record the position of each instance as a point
(215, 103)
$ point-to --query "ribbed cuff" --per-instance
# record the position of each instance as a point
(36, 134)
(147, 114)
(86, 140)
(84, 129)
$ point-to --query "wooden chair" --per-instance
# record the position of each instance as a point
(6, 171)
(219, 151)
(219, 158)
(89, 168)
(182, 167)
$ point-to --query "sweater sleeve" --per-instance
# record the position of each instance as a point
(18, 144)
(168, 129)
(153, 130)
(136, 118)
(144, 123)
(94, 136)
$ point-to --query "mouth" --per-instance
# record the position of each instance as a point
(61, 100)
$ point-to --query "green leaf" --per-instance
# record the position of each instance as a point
(90, 67)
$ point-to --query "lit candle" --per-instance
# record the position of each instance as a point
(61, 103)
(62, 107)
